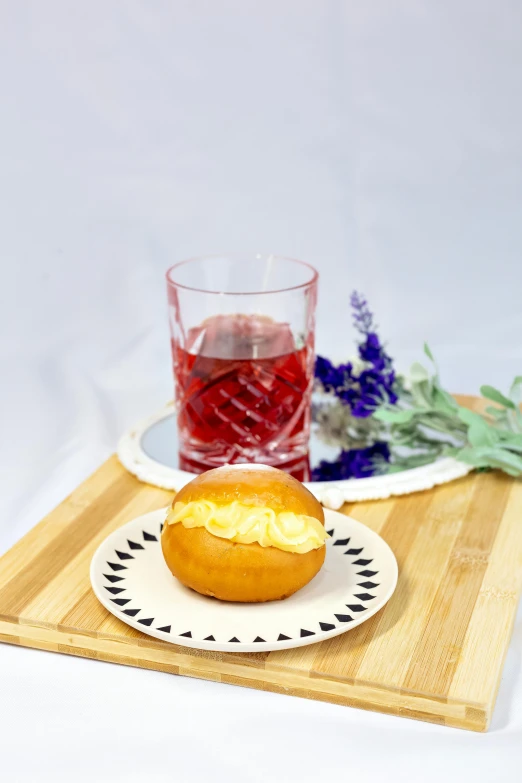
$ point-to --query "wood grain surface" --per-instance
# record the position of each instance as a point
(435, 652)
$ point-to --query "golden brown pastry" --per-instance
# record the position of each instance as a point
(244, 533)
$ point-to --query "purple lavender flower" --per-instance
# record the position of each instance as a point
(327, 374)
(365, 392)
(371, 351)
(362, 317)
(355, 463)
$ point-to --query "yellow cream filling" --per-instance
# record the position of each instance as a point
(248, 524)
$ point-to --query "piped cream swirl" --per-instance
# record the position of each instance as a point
(243, 524)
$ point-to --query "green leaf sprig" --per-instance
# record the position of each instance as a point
(428, 422)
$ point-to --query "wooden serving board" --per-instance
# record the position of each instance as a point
(435, 652)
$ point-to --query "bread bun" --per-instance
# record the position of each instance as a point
(244, 533)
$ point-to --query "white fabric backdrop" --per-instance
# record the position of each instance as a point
(379, 141)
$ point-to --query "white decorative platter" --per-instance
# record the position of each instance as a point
(130, 578)
(149, 452)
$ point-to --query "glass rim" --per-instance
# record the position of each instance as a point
(312, 280)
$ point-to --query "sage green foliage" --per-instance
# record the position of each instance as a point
(427, 422)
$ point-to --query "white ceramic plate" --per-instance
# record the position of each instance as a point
(130, 578)
(149, 452)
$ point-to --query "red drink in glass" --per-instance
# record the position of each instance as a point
(243, 380)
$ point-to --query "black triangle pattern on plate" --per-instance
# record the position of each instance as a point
(124, 555)
(149, 537)
(344, 618)
(115, 590)
(326, 626)
(330, 532)
(161, 527)
(117, 566)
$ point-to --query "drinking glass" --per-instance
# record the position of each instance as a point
(242, 342)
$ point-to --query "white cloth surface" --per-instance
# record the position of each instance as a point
(379, 141)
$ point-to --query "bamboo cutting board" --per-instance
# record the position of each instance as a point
(435, 652)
